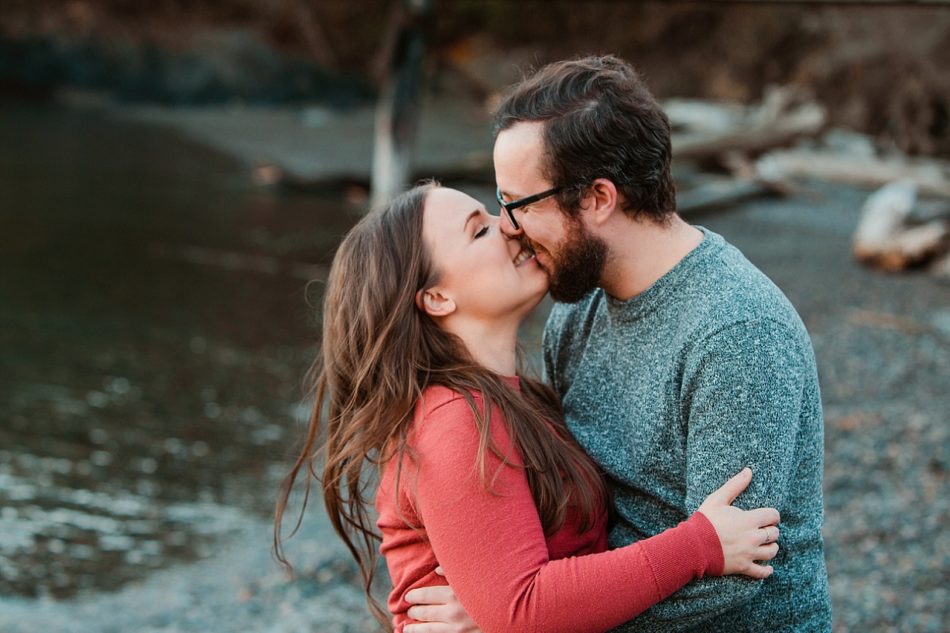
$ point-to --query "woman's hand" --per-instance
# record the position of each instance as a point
(437, 610)
(747, 536)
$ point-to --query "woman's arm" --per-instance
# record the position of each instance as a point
(493, 549)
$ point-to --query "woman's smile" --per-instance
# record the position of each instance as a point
(523, 256)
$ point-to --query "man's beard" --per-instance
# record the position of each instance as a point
(578, 266)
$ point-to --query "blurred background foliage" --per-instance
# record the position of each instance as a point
(878, 67)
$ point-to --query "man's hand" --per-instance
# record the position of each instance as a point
(437, 610)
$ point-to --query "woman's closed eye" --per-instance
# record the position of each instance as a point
(481, 232)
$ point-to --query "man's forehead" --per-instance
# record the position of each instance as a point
(517, 154)
(520, 138)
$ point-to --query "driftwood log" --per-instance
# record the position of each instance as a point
(719, 193)
(941, 266)
(884, 238)
(931, 177)
(713, 130)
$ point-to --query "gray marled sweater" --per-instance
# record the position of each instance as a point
(675, 391)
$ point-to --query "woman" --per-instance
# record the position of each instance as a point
(478, 472)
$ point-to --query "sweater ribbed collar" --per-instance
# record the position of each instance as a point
(642, 304)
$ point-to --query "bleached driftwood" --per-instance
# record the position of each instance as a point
(884, 214)
(696, 115)
(718, 193)
(916, 245)
(883, 238)
(716, 130)
(931, 177)
(941, 266)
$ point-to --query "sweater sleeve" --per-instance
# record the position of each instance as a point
(492, 547)
(742, 400)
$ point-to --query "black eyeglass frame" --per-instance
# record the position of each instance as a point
(509, 207)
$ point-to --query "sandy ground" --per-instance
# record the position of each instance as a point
(883, 348)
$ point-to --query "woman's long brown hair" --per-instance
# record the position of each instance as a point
(379, 353)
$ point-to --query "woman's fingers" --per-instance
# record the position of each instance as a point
(728, 492)
(764, 517)
(764, 535)
(766, 552)
(748, 537)
(758, 571)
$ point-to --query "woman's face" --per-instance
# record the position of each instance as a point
(484, 273)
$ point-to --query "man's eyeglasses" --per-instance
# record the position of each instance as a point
(509, 207)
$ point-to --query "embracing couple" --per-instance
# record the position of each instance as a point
(641, 485)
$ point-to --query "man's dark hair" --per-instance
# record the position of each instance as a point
(600, 121)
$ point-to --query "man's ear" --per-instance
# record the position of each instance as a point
(434, 303)
(601, 201)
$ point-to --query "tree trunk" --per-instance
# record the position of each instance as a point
(397, 112)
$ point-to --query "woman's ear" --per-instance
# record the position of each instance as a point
(434, 303)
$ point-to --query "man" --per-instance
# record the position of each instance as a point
(677, 361)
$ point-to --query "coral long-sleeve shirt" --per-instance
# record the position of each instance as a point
(507, 574)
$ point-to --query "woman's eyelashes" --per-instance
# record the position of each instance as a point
(481, 232)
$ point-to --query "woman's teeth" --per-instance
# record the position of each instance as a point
(523, 256)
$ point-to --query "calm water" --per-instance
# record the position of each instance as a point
(153, 334)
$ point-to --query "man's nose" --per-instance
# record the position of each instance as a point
(507, 228)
